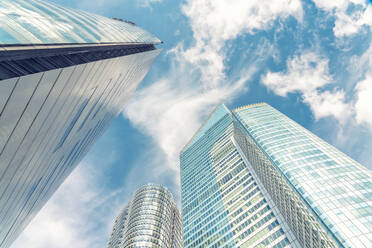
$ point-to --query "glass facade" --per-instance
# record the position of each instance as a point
(118, 229)
(151, 219)
(56, 100)
(336, 189)
(41, 22)
(318, 196)
(223, 203)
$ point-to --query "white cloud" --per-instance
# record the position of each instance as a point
(307, 74)
(216, 21)
(361, 65)
(77, 215)
(361, 70)
(172, 108)
(363, 105)
(347, 22)
(328, 103)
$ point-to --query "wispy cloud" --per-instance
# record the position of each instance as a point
(172, 108)
(360, 67)
(363, 107)
(81, 209)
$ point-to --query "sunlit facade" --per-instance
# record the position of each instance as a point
(223, 203)
(64, 76)
(335, 189)
(150, 219)
(319, 196)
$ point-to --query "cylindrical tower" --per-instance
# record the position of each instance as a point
(151, 219)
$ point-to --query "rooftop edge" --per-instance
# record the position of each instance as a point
(201, 127)
(249, 106)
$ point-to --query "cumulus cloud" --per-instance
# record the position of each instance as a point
(307, 74)
(347, 22)
(172, 108)
(328, 103)
(214, 22)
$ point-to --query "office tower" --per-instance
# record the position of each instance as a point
(150, 219)
(255, 178)
(223, 203)
(64, 76)
(324, 183)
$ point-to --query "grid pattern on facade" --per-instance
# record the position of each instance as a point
(301, 221)
(222, 203)
(118, 229)
(337, 189)
(151, 219)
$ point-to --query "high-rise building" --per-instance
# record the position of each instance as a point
(255, 178)
(223, 203)
(150, 219)
(64, 76)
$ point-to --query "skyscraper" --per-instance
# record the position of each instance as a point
(253, 177)
(64, 76)
(223, 203)
(150, 219)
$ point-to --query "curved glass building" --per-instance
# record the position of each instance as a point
(150, 219)
(64, 76)
(40, 22)
(252, 177)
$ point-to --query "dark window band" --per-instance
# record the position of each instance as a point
(21, 62)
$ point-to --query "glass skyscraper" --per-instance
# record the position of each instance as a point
(64, 76)
(255, 178)
(150, 219)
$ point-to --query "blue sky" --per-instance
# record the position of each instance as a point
(310, 59)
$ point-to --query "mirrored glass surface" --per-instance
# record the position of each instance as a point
(41, 22)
